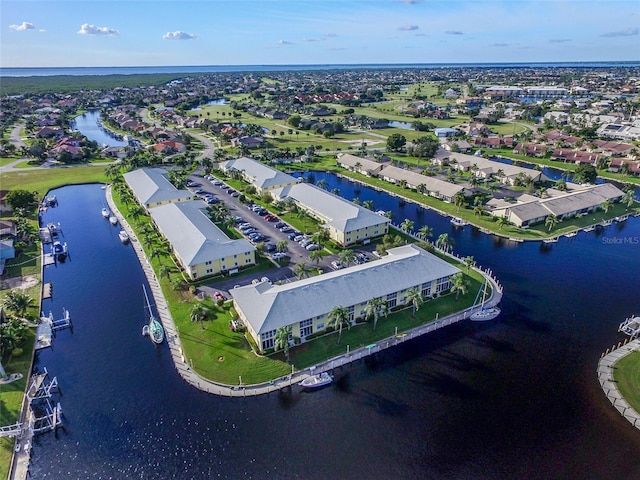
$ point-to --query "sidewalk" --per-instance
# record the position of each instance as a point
(606, 365)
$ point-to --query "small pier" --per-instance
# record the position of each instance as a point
(45, 235)
(41, 414)
(48, 326)
(631, 326)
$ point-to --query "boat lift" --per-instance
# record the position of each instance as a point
(631, 326)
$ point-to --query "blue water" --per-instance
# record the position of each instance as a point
(88, 125)
(514, 398)
(131, 70)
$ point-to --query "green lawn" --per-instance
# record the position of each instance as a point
(627, 375)
(41, 181)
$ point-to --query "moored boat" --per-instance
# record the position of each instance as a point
(570, 234)
(124, 236)
(458, 222)
(156, 332)
(317, 381)
(113, 220)
(484, 313)
(105, 212)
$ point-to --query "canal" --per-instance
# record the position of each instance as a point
(514, 398)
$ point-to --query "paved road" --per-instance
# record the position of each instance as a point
(15, 136)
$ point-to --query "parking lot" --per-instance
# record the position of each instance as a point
(259, 225)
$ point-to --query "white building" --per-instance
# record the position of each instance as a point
(346, 222)
(198, 244)
(258, 174)
(305, 304)
(151, 187)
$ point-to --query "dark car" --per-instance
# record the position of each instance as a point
(279, 225)
(271, 247)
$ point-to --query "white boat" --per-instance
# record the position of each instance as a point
(484, 313)
(156, 332)
(113, 220)
(124, 236)
(550, 240)
(570, 234)
(458, 222)
(588, 229)
(145, 330)
(59, 250)
(317, 381)
(105, 212)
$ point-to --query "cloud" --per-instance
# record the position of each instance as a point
(88, 29)
(500, 44)
(42, 30)
(559, 40)
(284, 42)
(629, 32)
(178, 35)
(311, 40)
(408, 28)
(22, 27)
(454, 32)
(411, 2)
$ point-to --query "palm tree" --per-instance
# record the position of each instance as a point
(323, 184)
(628, 198)
(346, 256)
(407, 225)
(425, 232)
(459, 284)
(469, 262)
(606, 205)
(301, 271)
(551, 221)
(199, 313)
(444, 242)
(414, 297)
(368, 204)
(282, 246)
(164, 271)
(17, 302)
(458, 200)
(316, 256)
(281, 340)
(375, 308)
(339, 317)
(501, 222)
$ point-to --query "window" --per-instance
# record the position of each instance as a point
(426, 290)
(392, 299)
(306, 327)
(321, 326)
(208, 262)
(443, 284)
(209, 270)
(268, 339)
(351, 313)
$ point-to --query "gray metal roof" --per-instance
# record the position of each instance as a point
(413, 179)
(268, 307)
(342, 214)
(192, 235)
(261, 175)
(150, 185)
(589, 197)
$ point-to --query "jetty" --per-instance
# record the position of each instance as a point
(41, 414)
(48, 326)
(630, 326)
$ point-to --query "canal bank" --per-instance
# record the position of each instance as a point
(193, 378)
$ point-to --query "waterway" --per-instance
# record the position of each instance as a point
(89, 125)
(514, 398)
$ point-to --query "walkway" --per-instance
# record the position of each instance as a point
(606, 366)
(206, 385)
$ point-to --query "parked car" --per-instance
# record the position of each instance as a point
(278, 255)
(263, 212)
(211, 200)
(279, 224)
(286, 229)
(219, 296)
(336, 265)
(305, 241)
(297, 237)
(313, 246)
(292, 235)
(270, 247)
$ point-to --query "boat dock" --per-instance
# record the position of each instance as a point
(48, 326)
(41, 414)
(630, 326)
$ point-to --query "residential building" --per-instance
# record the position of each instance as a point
(431, 186)
(151, 187)
(305, 304)
(261, 176)
(200, 247)
(346, 222)
(365, 165)
(486, 168)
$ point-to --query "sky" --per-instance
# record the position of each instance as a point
(90, 33)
